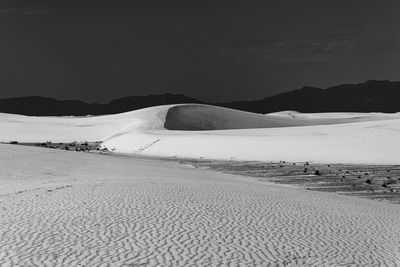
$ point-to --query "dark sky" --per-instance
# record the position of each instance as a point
(213, 50)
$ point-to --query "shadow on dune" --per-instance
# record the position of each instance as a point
(196, 117)
(199, 117)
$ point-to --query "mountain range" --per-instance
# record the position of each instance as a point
(371, 96)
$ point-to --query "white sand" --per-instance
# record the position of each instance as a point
(77, 209)
(371, 138)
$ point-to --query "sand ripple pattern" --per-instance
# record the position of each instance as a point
(111, 211)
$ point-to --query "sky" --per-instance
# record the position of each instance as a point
(216, 51)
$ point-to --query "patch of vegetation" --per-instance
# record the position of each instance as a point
(369, 181)
(72, 146)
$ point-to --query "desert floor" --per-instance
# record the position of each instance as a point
(79, 209)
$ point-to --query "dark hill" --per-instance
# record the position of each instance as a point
(371, 96)
(44, 106)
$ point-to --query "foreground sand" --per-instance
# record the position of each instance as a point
(77, 209)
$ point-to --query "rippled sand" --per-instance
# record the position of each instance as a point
(76, 209)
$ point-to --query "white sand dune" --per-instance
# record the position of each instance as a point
(291, 136)
(61, 208)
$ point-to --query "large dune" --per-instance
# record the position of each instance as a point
(212, 132)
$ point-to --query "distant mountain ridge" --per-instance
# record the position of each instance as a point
(371, 96)
(46, 106)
